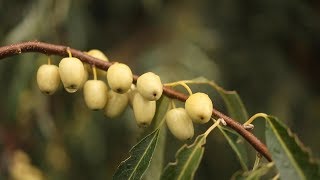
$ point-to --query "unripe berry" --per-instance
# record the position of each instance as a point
(116, 104)
(119, 77)
(48, 78)
(71, 71)
(99, 55)
(199, 107)
(180, 124)
(85, 78)
(132, 91)
(143, 109)
(149, 86)
(95, 94)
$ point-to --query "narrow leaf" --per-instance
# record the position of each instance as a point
(155, 169)
(237, 111)
(291, 158)
(256, 174)
(187, 161)
(138, 162)
(237, 146)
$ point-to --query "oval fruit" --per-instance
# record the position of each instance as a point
(71, 72)
(143, 109)
(116, 104)
(149, 86)
(180, 124)
(48, 78)
(119, 77)
(95, 94)
(199, 107)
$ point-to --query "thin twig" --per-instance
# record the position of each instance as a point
(51, 49)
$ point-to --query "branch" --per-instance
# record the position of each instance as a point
(51, 49)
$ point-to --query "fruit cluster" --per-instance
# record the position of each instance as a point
(198, 109)
(114, 100)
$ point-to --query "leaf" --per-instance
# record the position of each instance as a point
(291, 158)
(237, 111)
(187, 161)
(138, 162)
(255, 174)
(155, 169)
(142, 153)
(237, 146)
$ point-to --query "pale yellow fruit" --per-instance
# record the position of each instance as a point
(180, 124)
(95, 94)
(199, 107)
(132, 91)
(116, 104)
(119, 77)
(149, 86)
(85, 78)
(143, 109)
(48, 78)
(71, 72)
(99, 55)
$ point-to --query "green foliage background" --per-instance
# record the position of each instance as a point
(266, 50)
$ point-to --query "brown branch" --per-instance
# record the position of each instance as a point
(50, 49)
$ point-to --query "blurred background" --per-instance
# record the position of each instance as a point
(268, 51)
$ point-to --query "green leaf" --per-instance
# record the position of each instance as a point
(237, 146)
(291, 158)
(237, 111)
(256, 174)
(138, 162)
(155, 169)
(187, 161)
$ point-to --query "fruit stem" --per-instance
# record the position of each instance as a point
(173, 105)
(94, 71)
(180, 83)
(214, 125)
(49, 60)
(69, 52)
(255, 117)
(256, 162)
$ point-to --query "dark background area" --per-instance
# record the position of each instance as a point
(268, 51)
